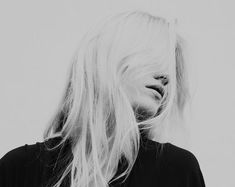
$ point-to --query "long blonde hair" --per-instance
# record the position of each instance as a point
(96, 114)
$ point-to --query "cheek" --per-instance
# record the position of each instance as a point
(132, 89)
(138, 93)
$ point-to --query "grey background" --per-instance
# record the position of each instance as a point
(38, 38)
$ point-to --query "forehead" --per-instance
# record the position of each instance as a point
(151, 58)
(141, 38)
(150, 47)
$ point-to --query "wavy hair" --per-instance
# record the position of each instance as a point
(96, 114)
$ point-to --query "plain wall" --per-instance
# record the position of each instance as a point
(37, 41)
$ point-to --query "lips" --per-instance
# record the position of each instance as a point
(159, 90)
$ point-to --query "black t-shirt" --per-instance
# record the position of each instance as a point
(33, 166)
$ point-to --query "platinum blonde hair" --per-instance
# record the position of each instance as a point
(95, 112)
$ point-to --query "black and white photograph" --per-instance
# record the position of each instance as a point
(117, 93)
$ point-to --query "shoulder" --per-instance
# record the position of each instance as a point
(170, 155)
(180, 157)
(174, 166)
(14, 162)
(182, 166)
(20, 155)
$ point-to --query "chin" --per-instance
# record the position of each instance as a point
(143, 112)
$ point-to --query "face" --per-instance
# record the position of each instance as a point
(147, 95)
(148, 91)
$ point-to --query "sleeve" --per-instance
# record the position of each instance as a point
(2, 173)
(194, 175)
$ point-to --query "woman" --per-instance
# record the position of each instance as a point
(127, 82)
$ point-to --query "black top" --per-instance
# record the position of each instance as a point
(33, 166)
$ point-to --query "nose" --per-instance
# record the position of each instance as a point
(164, 80)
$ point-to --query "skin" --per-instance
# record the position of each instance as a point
(149, 100)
